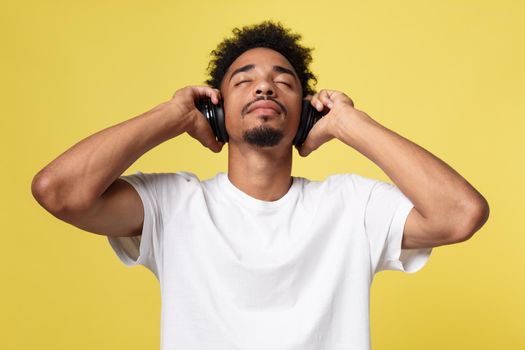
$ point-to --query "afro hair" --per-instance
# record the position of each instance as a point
(266, 34)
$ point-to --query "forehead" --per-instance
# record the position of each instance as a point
(259, 56)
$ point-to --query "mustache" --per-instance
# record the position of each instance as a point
(245, 108)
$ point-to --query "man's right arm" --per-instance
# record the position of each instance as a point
(82, 185)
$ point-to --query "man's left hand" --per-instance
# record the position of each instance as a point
(339, 107)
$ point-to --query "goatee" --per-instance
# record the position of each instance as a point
(263, 136)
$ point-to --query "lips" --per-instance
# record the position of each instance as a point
(265, 104)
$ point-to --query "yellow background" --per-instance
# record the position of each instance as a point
(448, 75)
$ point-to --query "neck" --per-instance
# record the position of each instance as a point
(264, 174)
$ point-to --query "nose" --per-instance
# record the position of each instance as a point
(264, 88)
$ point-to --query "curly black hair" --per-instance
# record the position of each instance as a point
(266, 34)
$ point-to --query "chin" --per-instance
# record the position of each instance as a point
(263, 136)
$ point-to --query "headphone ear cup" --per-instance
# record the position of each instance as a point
(215, 116)
(309, 116)
(221, 122)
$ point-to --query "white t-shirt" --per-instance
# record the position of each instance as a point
(238, 273)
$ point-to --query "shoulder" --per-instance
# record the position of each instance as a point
(348, 182)
(162, 180)
(336, 183)
(167, 176)
(346, 186)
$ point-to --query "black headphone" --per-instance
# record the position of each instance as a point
(216, 118)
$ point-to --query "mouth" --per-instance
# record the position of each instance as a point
(264, 111)
(265, 107)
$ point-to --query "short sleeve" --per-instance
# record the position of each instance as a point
(145, 249)
(386, 211)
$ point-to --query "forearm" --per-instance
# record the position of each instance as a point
(80, 175)
(438, 192)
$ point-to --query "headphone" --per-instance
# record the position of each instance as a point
(215, 116)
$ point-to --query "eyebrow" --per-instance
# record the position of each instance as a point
(279, 69)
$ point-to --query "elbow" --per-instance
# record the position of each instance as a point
(45, 193)
(472, 220)
(58, 198)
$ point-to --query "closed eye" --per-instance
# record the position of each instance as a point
(279, 82)
(243, 81)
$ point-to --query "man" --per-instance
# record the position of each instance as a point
(256, 258)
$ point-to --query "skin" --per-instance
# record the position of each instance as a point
(447, 209)
(82, 185)
(263, 173)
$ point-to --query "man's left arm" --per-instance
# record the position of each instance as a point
(447, 209)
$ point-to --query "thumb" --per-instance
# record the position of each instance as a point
(315, 138)
(203, 133)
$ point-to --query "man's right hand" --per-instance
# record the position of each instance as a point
(184, 103)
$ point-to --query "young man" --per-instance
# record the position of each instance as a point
(256, 258)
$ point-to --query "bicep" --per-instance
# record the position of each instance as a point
(117, 212)
(421, 233)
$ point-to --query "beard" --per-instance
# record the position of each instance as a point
(263, 136)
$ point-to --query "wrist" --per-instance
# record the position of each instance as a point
(351, 125)
(178, 121)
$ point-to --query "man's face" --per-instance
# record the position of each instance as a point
(262, 99)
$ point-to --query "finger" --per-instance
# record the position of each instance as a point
(324, 97)
(204, 134)
(322, 101)
(300, 150)
(316, 137)
(334, 95)
(316, 102)
(201, 91)
(216, 96)
(307, 147)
